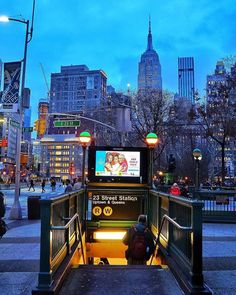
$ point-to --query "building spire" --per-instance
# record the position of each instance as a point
(149, 46)
(150, 24)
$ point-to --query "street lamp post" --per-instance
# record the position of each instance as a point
(16, 212)
(151, 140)
(197, 154)
(84, 139)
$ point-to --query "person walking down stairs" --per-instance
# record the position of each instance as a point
(140, 243)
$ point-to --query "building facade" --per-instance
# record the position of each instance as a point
(186, 78)
(58, 152)
(149, 71)
(27, 124)
(43, 111)
(214, 82)
(220, 112)
(77, 89)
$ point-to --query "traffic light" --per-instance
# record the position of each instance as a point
(3, 142)
(71, 168)
(36, 125)
(42, 126)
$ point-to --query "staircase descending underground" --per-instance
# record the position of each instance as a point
(120, 280)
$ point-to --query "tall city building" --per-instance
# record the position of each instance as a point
(27, 124)
(58, 151)
(186, 78)
(77, 89)
(119, 110)
(149, 73)
(214, 81)
(43, 108)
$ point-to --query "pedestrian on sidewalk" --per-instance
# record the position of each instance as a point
(77, 184)
(140, 243)
(175, 190)
(27, 181)
(185, 191)
(3, 226)
(43, 185)
(2, 205)
(53, 184)
(31, 185)
(69, 187)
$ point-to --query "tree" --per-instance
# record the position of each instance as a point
(229, 61)
(151, 113)
(218, 117)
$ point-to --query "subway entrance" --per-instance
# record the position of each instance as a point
(117, 193)
(82, 231)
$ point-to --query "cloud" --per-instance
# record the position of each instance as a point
(112, 35)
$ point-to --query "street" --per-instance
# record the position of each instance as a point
(24, 194)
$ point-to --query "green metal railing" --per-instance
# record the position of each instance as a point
(67, 227)
(61, 230)
(168, 219)
(180, 237)
(219, 206)
(177, 222)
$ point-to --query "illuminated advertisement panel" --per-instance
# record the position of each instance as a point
(117, 163)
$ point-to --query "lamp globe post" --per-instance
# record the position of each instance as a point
(197, 154)
(151, 141)
(16, 212)
(84, 139)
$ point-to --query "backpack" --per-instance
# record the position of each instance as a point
(3, 227)
(138, 245)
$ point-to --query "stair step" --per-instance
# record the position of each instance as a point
(120, 280)
(109, 266)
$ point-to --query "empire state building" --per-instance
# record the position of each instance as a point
(149, 74)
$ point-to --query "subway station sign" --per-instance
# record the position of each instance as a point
(115, 206)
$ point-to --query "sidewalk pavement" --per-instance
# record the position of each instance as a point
(219, 258)
(11, 186)
(19, 257)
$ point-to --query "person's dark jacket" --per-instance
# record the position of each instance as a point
(185, 192)
(127, 240)
(2, 205)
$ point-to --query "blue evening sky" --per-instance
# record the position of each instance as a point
(112, 34)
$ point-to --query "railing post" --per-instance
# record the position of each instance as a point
(77, 228)
(84, 205)
(68, 240)
(67, 232)
(196, 245)
(169, 225)
(45, 274)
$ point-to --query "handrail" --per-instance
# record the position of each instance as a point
(64, 227)
(171, 220)
(67, 225)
